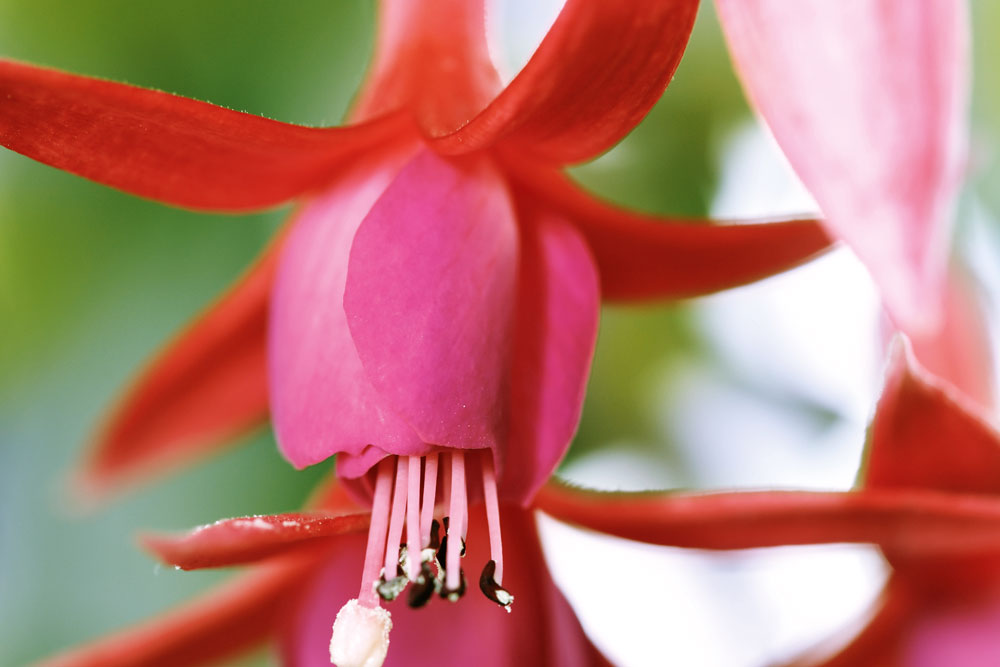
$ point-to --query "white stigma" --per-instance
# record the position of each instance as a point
(360, 636)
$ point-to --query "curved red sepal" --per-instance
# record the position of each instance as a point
(645, 257)
(169, 148)
(914, 522)
(580, 93)
(228, 620)
(204, 389)
(248, 539)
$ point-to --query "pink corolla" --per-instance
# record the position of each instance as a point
(430, 314)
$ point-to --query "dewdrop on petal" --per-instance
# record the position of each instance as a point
(360, 636)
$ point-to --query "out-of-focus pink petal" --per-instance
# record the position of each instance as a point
(226, 621)
(203, 390)
(868, 99)
(579, 94)
(540, 630)
(174, 149)
(961, 633)
(430, 298)
(644, 257)
(555, 332)
(321, 399)
(910, 521)
(960, 350)
(245, 540)
(928, 435)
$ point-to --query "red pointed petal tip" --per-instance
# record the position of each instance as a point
(914, 522)
(581, 92)
(928, 434)
(248, 539)
(223, 623)
(173, 149)
(644, 257)
(832, 86)
(205, 389)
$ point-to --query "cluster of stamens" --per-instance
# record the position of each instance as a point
(429, 563)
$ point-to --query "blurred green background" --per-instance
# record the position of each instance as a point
(92, 281)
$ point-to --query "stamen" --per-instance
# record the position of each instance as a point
(427, 505)
(360, 635)
(396, 521)
(413, 519)
(457, 512)
(493, 514)
(376, 534)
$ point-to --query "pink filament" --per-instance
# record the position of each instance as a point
(413, 518)
(430, 491)
(396, 520)
(376, 534)
(493, 514)
(456, 521)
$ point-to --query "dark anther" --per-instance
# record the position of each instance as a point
(423, 588)
(390, 589)
(454, 595)
(442, 552)
(435, 538)
(491, 589)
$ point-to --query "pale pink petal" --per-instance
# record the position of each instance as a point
(430, 297)
(960, 350)
(868, 100)
(556, 329)
(540, 630)
(321, 399)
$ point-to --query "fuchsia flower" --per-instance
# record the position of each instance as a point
(434, 302)
(434, 306)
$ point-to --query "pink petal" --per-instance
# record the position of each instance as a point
(429, 301)
(960, 350)
(868, 101)
(224, 622)
(915, 522)
(643, 257)
(321, 398)
(245, 540)
(555, 332)
(540, 630)
(173, 149)
(206, 388)
(579, 94)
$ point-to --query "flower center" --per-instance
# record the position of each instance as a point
(407, 497)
